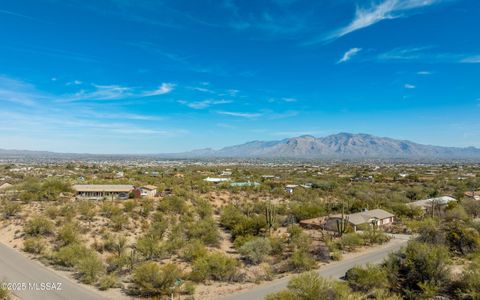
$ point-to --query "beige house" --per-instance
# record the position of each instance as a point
(148, 191)
(102, 191)
(379, 217)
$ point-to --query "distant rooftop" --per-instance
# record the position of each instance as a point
(103, 188)
(438, 200)
(365, 216)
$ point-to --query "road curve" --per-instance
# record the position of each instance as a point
(332, 270)
(16, 269)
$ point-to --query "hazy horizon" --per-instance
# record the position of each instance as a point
(149, 77)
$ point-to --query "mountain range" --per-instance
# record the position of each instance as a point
(341, 146)
(338, 146)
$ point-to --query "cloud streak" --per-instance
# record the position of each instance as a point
(116, 92)
(240, 114)
(348, 55)
(425, 55)
(204, 104)
(375, 13)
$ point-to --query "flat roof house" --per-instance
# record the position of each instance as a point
(377, 216)
(148, 191)
(216, 180)
(103, 191)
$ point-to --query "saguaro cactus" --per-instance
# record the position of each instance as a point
(270, 216)
(342, 225)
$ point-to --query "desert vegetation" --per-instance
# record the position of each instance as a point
(195, 236)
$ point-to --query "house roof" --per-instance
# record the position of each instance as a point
(103, 188)
(149, 187)
(212, 179)
(439, 200)
(315, 221)
(5, 186)
(245, 183)
(365, 216)
(472, 194)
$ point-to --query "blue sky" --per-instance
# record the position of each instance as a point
(120, 76)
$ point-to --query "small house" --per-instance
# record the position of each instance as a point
(216, 180)
(103, 191)
(377, 217)
(290, 187)
(245, 183)
(148, 191)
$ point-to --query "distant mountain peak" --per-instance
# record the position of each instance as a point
(344, 145)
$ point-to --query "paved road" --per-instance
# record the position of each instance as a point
(16, 268)
(332, 270)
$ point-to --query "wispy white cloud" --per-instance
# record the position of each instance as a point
(75, 82)
(424, 73)
(165, 88)
(409, 86)
(240, 114)
(19, 92)
(471, 60)
(115, 92)
(202, 89)
(123, 116)
(425, 55)
(349, 54)
(100, 92)
(376, 12)
(281, 115)
(204, 103)
(289, 99)
(11, 13)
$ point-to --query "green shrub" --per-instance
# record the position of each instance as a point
(70, 255)
(68, 234)
(10, 209)
(367, 278)
(336, 255)
(310, 286)
(419, 263)
(4, 292)
(188, 288)
(38, 225)
(204, 230)
(469, 284)
(193, 250)
(242, 239)
(215, 266)
(350, 241)
(256, 249)
(462, 239)
(90, 268)
(118, 262)
(149, 246)
(35, 245)
(150, 279)
(118, 221)
(277, 244)
(107, 281)
(301, 261)
(374, 237)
